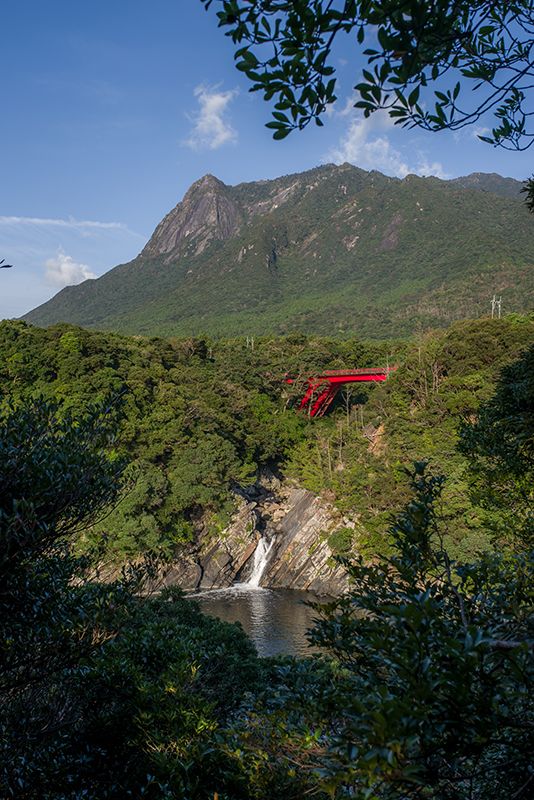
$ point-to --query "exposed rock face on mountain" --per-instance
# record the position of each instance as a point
(300, 557)
(335, 250)
(207, 213)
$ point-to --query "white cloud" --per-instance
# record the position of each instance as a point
(28, 242)
(348, 108)
(62, 223)
(63, 271)
(425, 167)
(211, 128)
(480, 130)
(83, 227)
(367, 145)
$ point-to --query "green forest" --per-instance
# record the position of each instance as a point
(197, 418)
(118, 446)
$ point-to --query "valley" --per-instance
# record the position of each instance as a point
(219, 454)
(267, 400)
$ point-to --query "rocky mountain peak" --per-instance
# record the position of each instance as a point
(208, 183)
(208, 212)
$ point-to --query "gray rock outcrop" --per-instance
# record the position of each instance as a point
(300, 558)
(207, 213)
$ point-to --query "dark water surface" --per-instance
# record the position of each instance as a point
(275, 619)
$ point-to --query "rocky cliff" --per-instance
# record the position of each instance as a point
(207, 213)
(300, 558)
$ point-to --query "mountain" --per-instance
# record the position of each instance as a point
(490, 182)
(334, 250)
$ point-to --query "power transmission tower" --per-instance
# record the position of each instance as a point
(496, 306)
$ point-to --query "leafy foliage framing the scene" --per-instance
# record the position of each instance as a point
(439, 655)
(421, 57)
(528, 189)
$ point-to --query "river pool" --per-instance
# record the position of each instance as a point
(275, 619)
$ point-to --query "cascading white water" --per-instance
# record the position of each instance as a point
(261, 558)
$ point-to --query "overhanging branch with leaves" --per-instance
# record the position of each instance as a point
(435, 65)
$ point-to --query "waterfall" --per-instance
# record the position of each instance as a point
(261, 557)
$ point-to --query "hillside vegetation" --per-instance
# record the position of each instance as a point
(422, 683)
(332, 251)
(198, 418)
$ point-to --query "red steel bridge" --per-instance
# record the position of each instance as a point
(320, 390)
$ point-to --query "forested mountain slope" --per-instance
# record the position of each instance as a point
(490, 182)
(334, 251)
(200, 418)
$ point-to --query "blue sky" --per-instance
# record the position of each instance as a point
(111, 109)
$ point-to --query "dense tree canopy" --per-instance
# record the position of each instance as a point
(440, 661)
(105, 692)
(529, 191)
(101, 695)
(421, 58)
(500, 446)
(200, 418)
